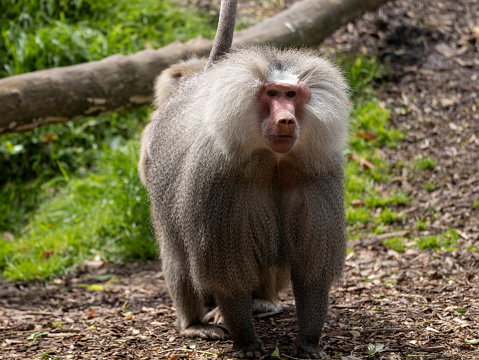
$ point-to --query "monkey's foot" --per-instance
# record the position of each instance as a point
(263, 306)
(305, 351)
(205, 331)
(214, 316)
(252, 351)
(259, 307)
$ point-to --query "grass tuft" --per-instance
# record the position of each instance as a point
(397, 244)
(447, 241)
(424, 163)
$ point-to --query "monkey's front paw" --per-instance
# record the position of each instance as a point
(253, 351)
(304, 351)
(205, 331)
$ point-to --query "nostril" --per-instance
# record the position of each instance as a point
(286, 121)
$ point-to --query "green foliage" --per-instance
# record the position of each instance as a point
(42, 34)
(397, 244)
(369, 116)
(361, 73)
(389, 217)
(359, 216)
(72, 146)
(102, 215)
(445, 241)
(425, 163)
(429, 186)
(52, 153)
(396, 198)
(422, 224)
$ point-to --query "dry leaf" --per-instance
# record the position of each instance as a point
(365, 164)
(357, 202)
(47, 254)
(90, 315)
(367, 135)
(445, 50)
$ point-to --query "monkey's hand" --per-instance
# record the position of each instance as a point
(205, 331)
(250, 351)
(303, 350)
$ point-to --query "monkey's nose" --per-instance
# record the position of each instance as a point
(285, 118)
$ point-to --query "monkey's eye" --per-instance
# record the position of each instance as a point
(290, 94)
(272, 93)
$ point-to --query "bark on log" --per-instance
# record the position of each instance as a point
(119, 82)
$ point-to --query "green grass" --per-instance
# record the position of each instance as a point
(396, 198)
(50, 152)
(422, 224)
(363, 184)
(103, 215)
(424, 163)
(387, 217)
(446, 241)
(429, 186)
(361, 73)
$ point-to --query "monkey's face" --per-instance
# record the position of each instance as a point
(281, 105)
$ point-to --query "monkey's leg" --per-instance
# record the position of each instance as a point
(189, 305)
(312, 302)
(238, 316)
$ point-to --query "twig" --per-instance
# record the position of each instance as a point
(268, 314)
(369, 331)
(204, 352)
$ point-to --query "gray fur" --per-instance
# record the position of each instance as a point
(235, 220)
(165, 85)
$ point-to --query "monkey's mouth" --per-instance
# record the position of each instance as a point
(281, 143)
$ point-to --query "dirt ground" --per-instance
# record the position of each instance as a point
(423, 305)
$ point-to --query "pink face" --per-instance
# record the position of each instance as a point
(281, 104)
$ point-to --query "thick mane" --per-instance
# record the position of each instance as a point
(236, 81)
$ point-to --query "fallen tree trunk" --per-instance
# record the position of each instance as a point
(119, 82)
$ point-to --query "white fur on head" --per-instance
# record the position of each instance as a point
(281, 76)
(232, 108)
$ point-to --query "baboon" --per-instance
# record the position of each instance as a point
(243, 165)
